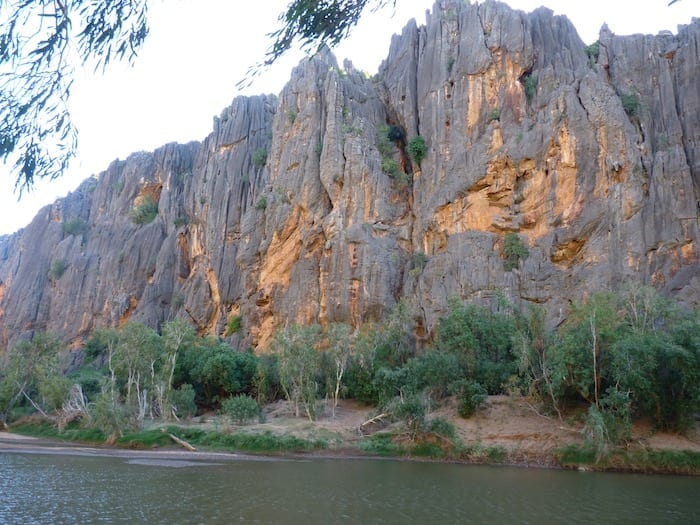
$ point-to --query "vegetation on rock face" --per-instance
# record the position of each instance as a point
(144, 212)
(513, 251)
(58, 268)
(630, 103)
(233, 325)
(530, 83)
(417, 149)
(75, 226)
(592, 52)
(260, 157)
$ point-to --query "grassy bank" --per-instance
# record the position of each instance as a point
(332, 437)
(259, 443)
(647, 461)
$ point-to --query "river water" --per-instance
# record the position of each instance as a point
(69, 489)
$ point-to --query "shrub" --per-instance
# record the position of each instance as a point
(495, 114)
(443, 428)
(144, 212)
(260, 157)
(513, 251)
(530, 87)
(181, 220)
(291, 116)
(630, 103)
(390, 167)
(262, 203)
(592, 52)
(418, 262)
(233, 326)
(411, 410)
(384, 144)
(395, 133)
(182, 400)
(75, 226)
(241, 408)
(417, 149)
(471, 396)
(58, 268)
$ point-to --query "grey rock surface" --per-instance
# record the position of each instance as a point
(283, 214)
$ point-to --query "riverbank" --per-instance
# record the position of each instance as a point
(508, 430)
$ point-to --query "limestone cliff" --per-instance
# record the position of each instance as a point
(285, 213)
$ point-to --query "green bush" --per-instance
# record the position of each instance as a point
(592, 52)
(494, 114)
(417, 149)
(443, 428)
(384, 144)
(233, 325)
(471, 396)
(262, 203)
(182, 400)
(241, 408)
(75, 226)
(530, 87)
(260, 157)
(144, 212)
(181, 220)
(390, 167)
(411, 410)
(513, 251)
(58, 268)
(630, 103)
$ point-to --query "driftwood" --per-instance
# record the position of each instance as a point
(181, 442)
(375, 419)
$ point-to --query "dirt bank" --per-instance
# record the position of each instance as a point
(509, 424)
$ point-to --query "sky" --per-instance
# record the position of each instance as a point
(198, 50)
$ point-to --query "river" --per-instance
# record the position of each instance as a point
(70, 489)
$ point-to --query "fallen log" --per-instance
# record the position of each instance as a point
(181, 442)
(374, 419)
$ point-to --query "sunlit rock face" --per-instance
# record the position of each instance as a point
(286, 212)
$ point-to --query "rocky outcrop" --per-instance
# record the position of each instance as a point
(286, 212)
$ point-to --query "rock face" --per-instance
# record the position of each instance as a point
(285, 214)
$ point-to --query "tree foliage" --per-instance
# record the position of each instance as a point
(40, 43)
(313, 24)
(298, 358)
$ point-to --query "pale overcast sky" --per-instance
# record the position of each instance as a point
(199, 49)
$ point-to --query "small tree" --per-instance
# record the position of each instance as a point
(178, 335)
(513, 251)
(298, 362)
(417, 149)
(340, 349)
(31, 372)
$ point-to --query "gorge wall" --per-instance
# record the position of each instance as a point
(284, 214)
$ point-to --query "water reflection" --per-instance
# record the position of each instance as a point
(70, 489)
